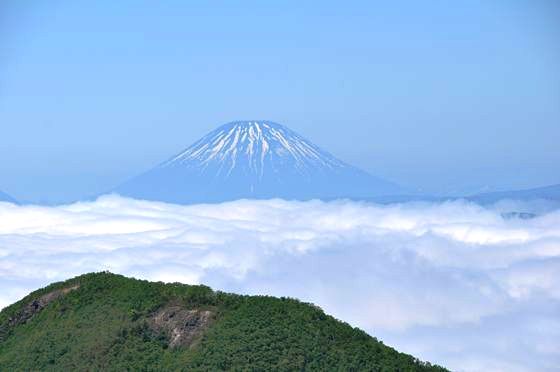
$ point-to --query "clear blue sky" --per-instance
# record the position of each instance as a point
(434, 94)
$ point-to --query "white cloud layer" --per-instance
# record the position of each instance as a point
(452, 283)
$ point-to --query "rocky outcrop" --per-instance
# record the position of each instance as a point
(181, 326)
(32, 308)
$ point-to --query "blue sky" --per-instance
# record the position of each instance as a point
(440, 95)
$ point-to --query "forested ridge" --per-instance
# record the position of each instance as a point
(103, 321)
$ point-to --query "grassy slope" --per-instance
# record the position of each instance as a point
(104, 326)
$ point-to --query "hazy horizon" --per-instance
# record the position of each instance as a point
(45, 185)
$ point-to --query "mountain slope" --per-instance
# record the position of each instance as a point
(6, 198)
(253, 159)
(108, 322)
(548, 192)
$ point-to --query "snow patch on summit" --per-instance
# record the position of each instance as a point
(251, 144)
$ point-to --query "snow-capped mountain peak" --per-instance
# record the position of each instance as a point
(253, 159)
(250, 144)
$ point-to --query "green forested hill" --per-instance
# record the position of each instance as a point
(104, 321)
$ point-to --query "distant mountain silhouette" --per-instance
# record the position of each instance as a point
(548, 192)
(257, 160)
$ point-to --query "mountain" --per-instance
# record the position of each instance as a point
(103, 321)
(6, 198)
(548, 192)
(256, 160)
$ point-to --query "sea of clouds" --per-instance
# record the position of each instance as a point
(453, 283)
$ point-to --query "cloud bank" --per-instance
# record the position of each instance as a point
(452, 283)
